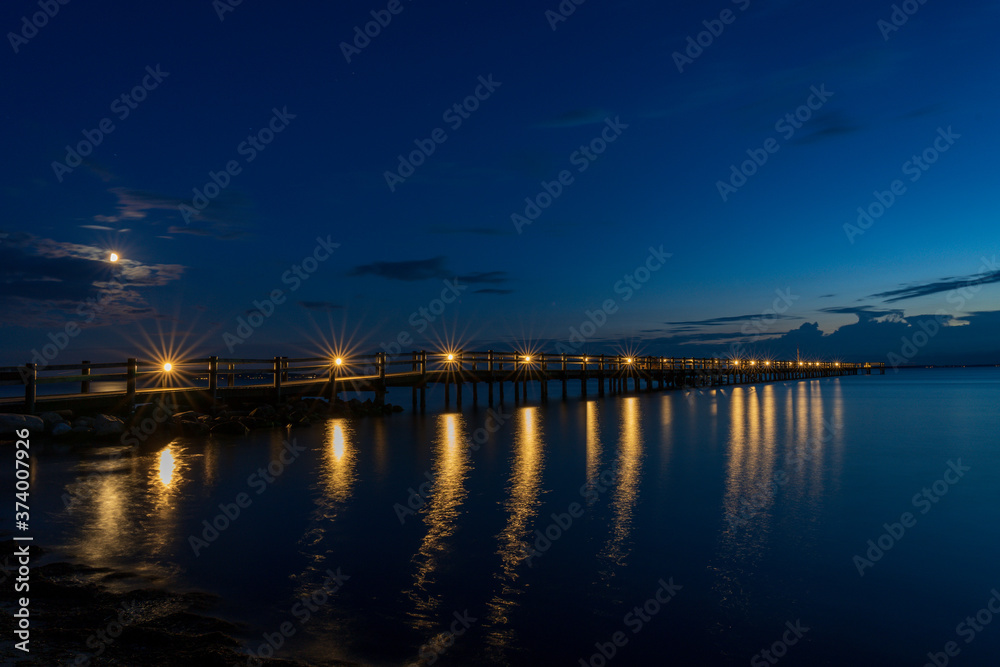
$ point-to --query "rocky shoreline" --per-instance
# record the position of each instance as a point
(77, 619)
(66, 427)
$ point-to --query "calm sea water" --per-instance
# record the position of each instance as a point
(689, 528)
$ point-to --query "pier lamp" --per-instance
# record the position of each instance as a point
(753, 363)
(451, 357)
(338, 362)
(527, 360)
(628, 360)
(837, 364)
(113, 257)
(767, 363)
(167, 367)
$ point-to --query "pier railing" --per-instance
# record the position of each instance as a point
(376, 372)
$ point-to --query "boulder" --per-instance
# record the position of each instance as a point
(83, 421)
(264, 412)
(62, 428)
(10, 424)
(397, 408)
(105, 426)
(51, 419)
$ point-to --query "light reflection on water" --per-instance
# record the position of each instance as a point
(440, 515)
(628, 479)
(697, 496)
(521, 507)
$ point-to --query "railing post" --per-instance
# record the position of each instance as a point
(380, 387)
(489, 373)
(600, 376)
(231, 377)
(334, 369)
(414, 367)
(85, 370)
(131, 372)
(30, 387)
(277, 379)
(213, 378)
(423, 381)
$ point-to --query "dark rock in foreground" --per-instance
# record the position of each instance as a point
(85, 623)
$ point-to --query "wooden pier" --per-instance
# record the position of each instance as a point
(206, 383)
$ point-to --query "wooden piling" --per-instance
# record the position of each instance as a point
(132, 369)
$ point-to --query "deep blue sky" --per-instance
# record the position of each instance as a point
(855, 295)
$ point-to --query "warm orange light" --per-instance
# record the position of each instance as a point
(753, 363)
(528, 359)
(767, 363)
(451, 357)
(168, 367)
(628, 360)
(338, 361)
(113, 257)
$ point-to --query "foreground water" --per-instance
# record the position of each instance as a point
(676, 527)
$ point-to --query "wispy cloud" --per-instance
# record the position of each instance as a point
(409, 270)
(941, 285)
(720, 321)
(47, 282)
